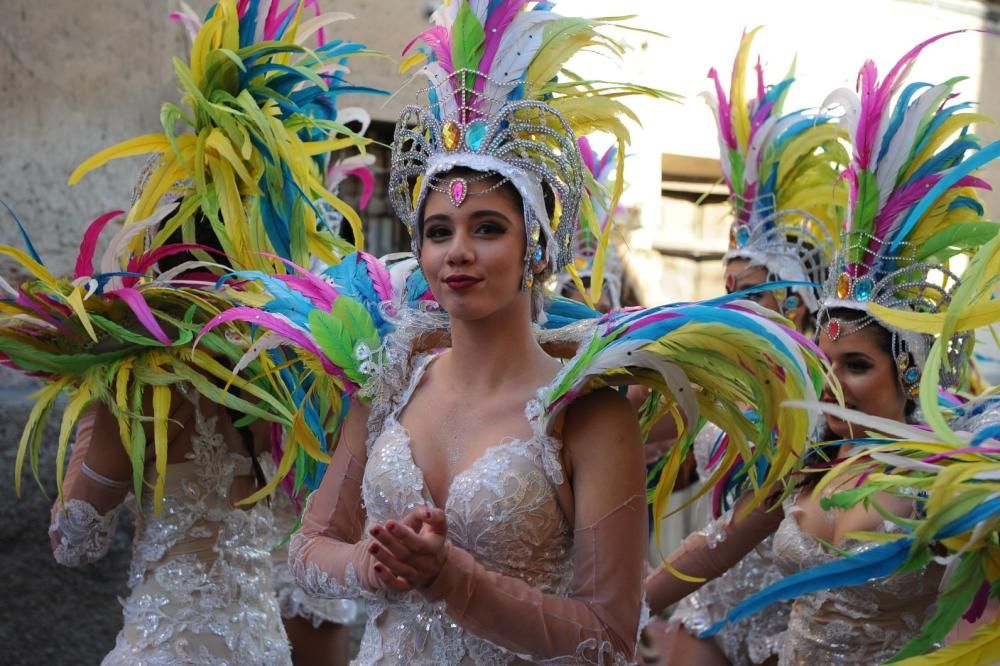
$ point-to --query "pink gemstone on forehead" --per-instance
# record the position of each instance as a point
(457, 191)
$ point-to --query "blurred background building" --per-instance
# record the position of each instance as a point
(77, 77)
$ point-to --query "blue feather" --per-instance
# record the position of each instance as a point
(981, 158)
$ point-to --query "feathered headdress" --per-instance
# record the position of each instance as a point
(913, 205)
(261, 122)
(952, 470)
(596, 258)
(782, 171)
(500, 102)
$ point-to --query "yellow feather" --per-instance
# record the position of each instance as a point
(140, 145)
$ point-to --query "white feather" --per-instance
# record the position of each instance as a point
(903, 462)
(114, 258)
(517, 48)
(848, 100)
(876, 424)
(263, 343)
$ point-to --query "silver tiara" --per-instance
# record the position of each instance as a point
(793, 245)
(525, 142)
(896, 281)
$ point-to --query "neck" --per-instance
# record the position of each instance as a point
(499, 348)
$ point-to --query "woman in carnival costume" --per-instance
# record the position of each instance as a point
(159, 417)
(912, 206)
(486, 501)
(782, 171)
(953, 466)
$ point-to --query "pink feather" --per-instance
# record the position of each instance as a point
(138, 305)
(85, 260)
(588, 154)
(320, 297)
(277, 325)
(143, 263)
(725, 116)
(438, 40)
(364, 174)
(381, 280)
(496, 25)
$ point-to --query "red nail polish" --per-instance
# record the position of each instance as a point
(390, 527)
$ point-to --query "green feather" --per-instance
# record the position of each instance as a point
(468, 42)
(963, 585)
(864, 215)
(956, 239)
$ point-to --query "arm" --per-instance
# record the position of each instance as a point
(96, 484)
(710, 553)
(327, 555)
(601, 616)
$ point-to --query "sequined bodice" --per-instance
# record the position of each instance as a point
(503, 509)
(864, 624)
(201, 589)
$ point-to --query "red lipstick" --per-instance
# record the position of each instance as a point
(460, 282)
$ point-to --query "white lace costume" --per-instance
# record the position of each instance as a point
(758, 637)
(200, 580)
(520, 583)
(860, 625)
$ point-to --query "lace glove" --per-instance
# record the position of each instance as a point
(710, 553)
(83, 523)
(327, 556)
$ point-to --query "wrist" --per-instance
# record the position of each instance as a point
(435, 586)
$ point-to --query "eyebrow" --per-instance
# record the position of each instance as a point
(484, 212)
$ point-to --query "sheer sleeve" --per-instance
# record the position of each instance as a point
(599, 621)
(83, 521)
(710, 553)
(328, 556)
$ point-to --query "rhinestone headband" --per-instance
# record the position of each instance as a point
(898, 282)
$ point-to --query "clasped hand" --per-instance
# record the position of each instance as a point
(410, 553)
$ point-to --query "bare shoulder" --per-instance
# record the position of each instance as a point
(601, 407)
(604, 417)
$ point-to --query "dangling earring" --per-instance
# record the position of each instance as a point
(791, 307)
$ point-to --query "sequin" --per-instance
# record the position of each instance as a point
(475, 133)
(742, 236)
(451, 135)
(843, 285)
(863, 288)
(833, 329)
(457, 190)
(214, 606)
(504, 509)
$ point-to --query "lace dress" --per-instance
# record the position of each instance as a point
(511, 589)
(865, 624)
(200, 579)
(758, 637)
